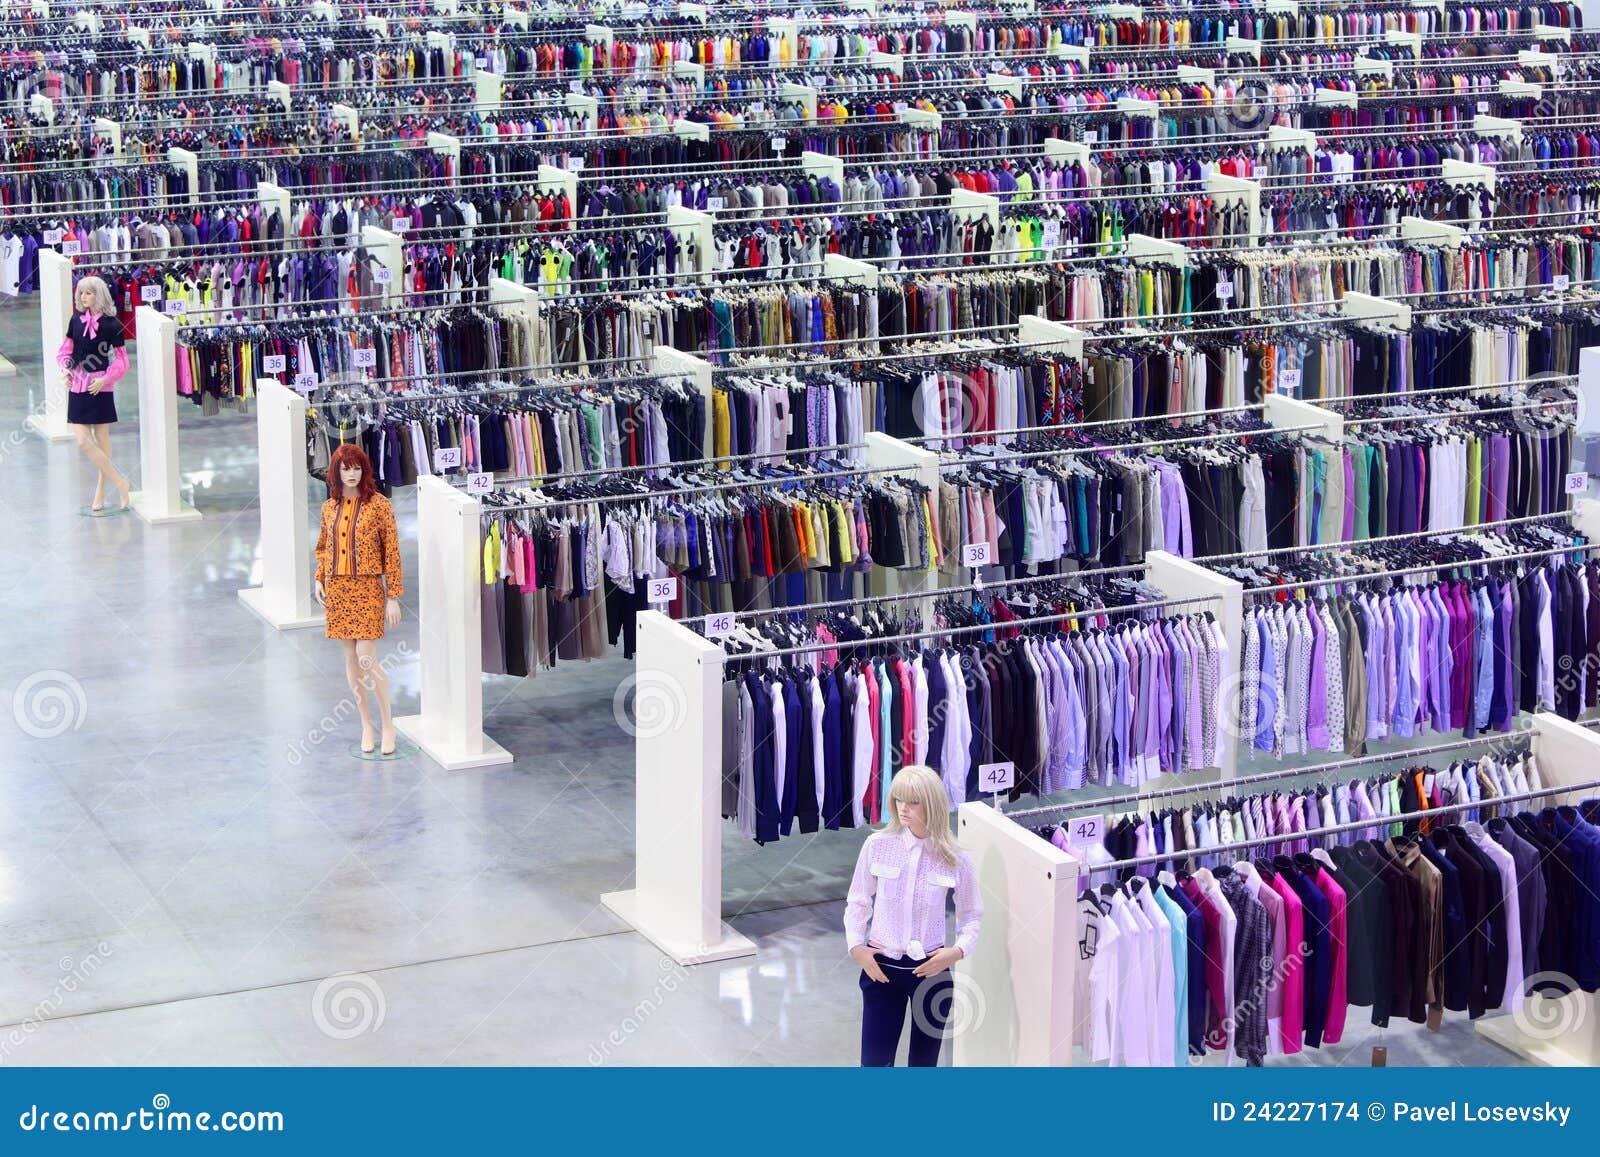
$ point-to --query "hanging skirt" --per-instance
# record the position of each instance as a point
(355, 606)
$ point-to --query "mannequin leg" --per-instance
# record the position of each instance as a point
(377, 679)
(358, 688)
(89, 444)
(120, 482)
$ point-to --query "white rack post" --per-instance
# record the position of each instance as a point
(1334, 98)
(1553, 32)
(488, 90)
(693, 226)
(1042, 335)
(849, 271)
(1002, 82)
(389, 249)
(1281, 137)
(516, 17)
(690, 70)
(190, 164)
(284, 599)
(1520, 90)
(803, 95)
(1074, 53)
(350, 118)
(1030, 926)
(1137, 107)
(55, 311)
(1456, 172)
(1178, 578)
(599, 34)
(1247, 194)
(1568, 753)
(561, 182)
(1143, 248)
(157, 500)
(676, 900)
(1244, 46)
(585, 108)
(510, 295)
(42, 107)
(110, 130)
(887, 62)
(1485, 125)
(1285, 412)
(282, 92)
(276, 198)
(448, 147)
(1367, 66)
(822, 165)
(691, 130)
(1376, 310)
(966, 205)
(1066, 153)
(786, 30)
(378, 26)
(449, 725)
(1426, 232)
(1193, 74)
(698, 371)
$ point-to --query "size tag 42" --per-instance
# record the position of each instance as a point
(480, 483)
(1086, 831)
(447, 458)
(997, 777)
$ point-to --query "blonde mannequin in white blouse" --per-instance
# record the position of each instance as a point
(894, 920)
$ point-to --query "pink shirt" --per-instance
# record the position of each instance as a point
(1291, 1029)
(1338, 994)
(896, 901)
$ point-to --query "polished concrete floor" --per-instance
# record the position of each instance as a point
(192, 871)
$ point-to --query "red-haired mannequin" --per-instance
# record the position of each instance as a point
(359, 580)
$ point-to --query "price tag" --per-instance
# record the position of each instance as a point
(662, 590)
(399, 224)
(52, 237)
(719, 626)
(447, 458)
(275, 363)
(1224, 291)
(574, 164)
(1561, 281)
(148, 293)
(779, 144)
(480, 483)
(1052, 235)
(366, 359)
(1577, 482)
(975, 554)
(305, 383)
(997, 777)
(72, 248)
(715, 203)
(383, 276)
(174, 305)
(1087, 831)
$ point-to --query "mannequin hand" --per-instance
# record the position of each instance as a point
(938, 962)
(321, 595)
(96, 385)
(869, 963)
(391, 613)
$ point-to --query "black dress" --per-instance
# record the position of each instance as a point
(93, 356)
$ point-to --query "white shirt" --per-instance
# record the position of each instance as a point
(896, 901)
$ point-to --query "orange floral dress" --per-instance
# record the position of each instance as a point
(358, 565)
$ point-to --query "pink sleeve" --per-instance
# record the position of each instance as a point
(64, 354)
(118, 369)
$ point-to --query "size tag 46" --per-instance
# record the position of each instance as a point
(720, 625)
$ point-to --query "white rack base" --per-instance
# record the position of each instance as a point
(452, 755)
(625, 906)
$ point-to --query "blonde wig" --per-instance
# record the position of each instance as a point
(102, 295)
(917, 784)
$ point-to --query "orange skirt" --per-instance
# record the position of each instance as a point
(355, 606)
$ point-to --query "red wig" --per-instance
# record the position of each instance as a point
(349, 454)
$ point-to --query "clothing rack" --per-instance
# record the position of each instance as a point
(1338, 765)
(1363, 825)
(1403, 572)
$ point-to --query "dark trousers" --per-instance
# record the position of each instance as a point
(883, 1013)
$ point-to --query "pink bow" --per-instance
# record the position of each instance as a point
(91, 324)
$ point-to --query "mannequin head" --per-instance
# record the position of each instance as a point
(92, 296)
(349, 465)
(918, 803)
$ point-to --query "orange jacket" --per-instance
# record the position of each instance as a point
(377, 543)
